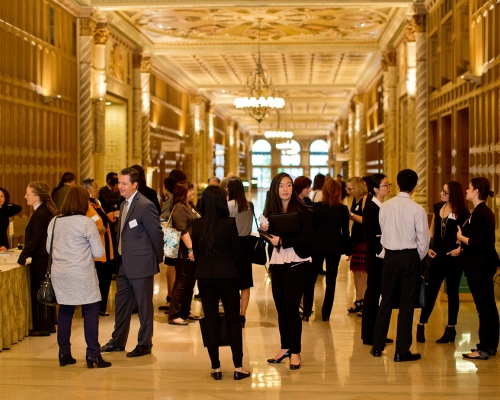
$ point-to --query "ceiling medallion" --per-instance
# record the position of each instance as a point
(259, 92)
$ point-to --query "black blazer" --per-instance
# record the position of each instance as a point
(480, 256)
(110, 200)
(225, 263)
(302, 242)
(35, 239)
(6, 211)
(371, 227)
(331, 229)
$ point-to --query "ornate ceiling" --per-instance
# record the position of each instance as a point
(319, 56)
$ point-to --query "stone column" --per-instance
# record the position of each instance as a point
(98, 93)
(409, 119)
(209, 144)
(141, 109)
(389, 86)
(85, 105)
(195, 138)
(232, 160)
(352, 144)
(360, 137)
(421, 120)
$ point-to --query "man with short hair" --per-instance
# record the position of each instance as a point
(405, 238)
(109, 195)
(140, 249)
(214, 181)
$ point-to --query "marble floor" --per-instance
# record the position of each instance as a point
(335, 364)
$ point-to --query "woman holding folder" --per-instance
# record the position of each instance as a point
(290, 232)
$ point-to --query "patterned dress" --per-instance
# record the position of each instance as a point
(358, 244)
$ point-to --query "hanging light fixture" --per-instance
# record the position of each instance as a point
(279, 137)
(259, 92)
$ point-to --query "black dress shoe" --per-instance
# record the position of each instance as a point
(108, 348)
(238, 376)
(103, 314)
(139, 351)
(406, 357)
(197, 296)
(387, 340)
(216, 375)
(305, 318)
(53, 329)
(38, 333)
(164, 308)
(278, 360)
(66, 359)
(376, 353)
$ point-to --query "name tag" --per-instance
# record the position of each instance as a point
(133, 223)
(452, 216)
(96, 218)
(357, 208)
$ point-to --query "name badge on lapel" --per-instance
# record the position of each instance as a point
(132, 224)
(452, 216)
(96, 218)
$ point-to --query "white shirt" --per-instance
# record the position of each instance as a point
(404, 225)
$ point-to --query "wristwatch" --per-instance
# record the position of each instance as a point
(190, 251)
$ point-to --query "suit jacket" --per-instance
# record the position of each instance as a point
(480, 256)
(36, 234)
(109, 200)
(371, 227)
(6, 211)
(142, 244)
(224, 264)
(331, 229)
(302, 242)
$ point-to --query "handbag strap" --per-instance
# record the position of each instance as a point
(49, 263)
(254, 217)
(169, 222)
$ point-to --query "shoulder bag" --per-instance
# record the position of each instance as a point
(171, 238)
(46, 294)
(259, 253)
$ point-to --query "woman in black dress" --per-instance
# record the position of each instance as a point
(479, 260)
(217, 251)
(7, 210)
(356, 188)
(38, 196)
(449, 214)
(290, 264)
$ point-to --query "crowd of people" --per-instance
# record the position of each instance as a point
(93, 233)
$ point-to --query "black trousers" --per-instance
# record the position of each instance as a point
(401, 270)
(126, 290)
(442, 267)
(288, 283)
(332, 269)
(182, 293)
(104, 272)
(210, 292)
(374, 267)
(90, 314)
(481, 288)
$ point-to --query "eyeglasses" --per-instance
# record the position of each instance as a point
(445, 192)
(388, 185)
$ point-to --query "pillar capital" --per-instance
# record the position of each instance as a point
(419, 21)
(389, 58)
(409, 30)
(87, 26)
(101, 33)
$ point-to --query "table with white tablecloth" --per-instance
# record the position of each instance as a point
(15, 302)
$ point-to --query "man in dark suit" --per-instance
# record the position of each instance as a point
(140, 248)
(109, 196)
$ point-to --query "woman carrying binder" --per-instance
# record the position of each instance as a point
(290, 260)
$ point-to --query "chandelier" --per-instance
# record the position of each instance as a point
(259, 92)
(279, 137)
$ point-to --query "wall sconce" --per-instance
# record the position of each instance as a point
(411, 69)
(476, 80)
(411, 82)
(50, 99)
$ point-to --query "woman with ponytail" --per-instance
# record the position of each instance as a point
(35, 239)
(479, 261)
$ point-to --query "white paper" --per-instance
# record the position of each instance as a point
(263, 220)
(381, 254)
(452, 216)
(133, 223)
(96, 218)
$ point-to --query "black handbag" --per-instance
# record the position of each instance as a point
(223, 334)
(422, 286)
(258, 245)
(46, 294)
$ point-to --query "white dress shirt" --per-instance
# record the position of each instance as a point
(404, 225)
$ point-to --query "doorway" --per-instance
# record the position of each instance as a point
(115, 142)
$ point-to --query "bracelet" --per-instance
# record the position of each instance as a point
(190, 251)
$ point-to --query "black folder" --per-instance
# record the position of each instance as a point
(284, 224)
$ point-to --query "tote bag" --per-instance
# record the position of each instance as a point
(171, 238)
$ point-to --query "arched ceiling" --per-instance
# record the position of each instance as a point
(319, 53)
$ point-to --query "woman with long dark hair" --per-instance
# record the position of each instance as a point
(331, 240)
(356, 188)
(183, 214)
(450, 213)
(7, 210)
(217, 251)
(35, 237)
(479, 260)
(290, 264)
(317, 188)
(302, 189)
(242, 211)
(378, 188)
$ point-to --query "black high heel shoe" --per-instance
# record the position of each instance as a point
(238, 376)
(278, 360)
(97, 361)
(358, 306)
(66, 359)
(294, 366)
(217, 375)
(449, 335)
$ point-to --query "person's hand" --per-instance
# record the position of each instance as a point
(459, 233)
(275, 240)
(102, 230)
(191, 256)
(431, 253)
(3, 248)
(116, 214)
(454, 252)
(264, 227)
(348, 258)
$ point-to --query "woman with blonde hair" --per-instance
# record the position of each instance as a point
(356, 188)
(38, 196)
